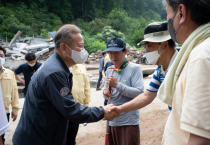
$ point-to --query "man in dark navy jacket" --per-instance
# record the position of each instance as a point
(49, 104)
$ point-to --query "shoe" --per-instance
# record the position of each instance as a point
(97, 89)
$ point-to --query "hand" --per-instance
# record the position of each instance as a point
(107, 93)
(104, 78)
(112, 81)
(110, 115)
(14, 116)
(23, 82)
(117, 109)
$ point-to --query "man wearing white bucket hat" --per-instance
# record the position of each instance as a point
(160, 50)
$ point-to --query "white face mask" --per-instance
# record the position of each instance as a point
(31, 64)
(2, 61)
(152, 57)
(78, 57)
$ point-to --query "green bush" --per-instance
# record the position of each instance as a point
(30, 20)
(108, 33)
(119, 20)
(92, 45)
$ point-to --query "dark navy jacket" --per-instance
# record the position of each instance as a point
(49, 105)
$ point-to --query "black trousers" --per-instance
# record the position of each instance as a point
(72, 133)
(105, 102)
(3, 139)
(99, 80)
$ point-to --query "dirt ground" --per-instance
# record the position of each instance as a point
(152, 121)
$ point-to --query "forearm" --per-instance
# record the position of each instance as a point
(103, 73)
(19, 79)
(139, 102)
(130, 92)
(198, 140)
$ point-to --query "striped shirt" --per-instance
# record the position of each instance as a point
(159, 76)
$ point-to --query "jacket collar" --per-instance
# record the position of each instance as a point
(58, 57)
(2, 69)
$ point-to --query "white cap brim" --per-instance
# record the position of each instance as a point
(156, 37)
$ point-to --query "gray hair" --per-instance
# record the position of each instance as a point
(199, 9)
(65, 33)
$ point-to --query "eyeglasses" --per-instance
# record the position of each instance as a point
(147, 47)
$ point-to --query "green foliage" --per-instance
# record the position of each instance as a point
(119, 20)
(99, 20)
(108, 33)
(30, 20)
(151, 15)
(92, 45)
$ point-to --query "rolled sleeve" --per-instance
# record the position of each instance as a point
(18, 70)
(195, 116)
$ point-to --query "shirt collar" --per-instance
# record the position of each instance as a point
(2, 68)
(171, 62)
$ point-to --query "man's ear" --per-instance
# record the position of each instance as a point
(126, 51)
(182, 12)
(63, 48)
(164, 45)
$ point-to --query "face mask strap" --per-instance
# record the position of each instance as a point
(159, 66)
(173, 19)
(159, 53)
(175, 13)
(69, 49)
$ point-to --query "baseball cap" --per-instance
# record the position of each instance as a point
(156, 32)
(115, 44)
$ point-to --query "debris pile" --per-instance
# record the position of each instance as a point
(19, 47)
(133, 55)
(3, 43)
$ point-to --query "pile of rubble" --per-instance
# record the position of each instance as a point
(19, 47)
(3, 43)
(133, 55)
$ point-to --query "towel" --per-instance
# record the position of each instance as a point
(166, 90)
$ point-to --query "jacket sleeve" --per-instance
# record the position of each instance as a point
(58, 92)
(86, 90)
(14, 95)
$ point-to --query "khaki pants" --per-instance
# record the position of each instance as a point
(124, 135)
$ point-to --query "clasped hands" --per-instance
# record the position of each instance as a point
(111, 111)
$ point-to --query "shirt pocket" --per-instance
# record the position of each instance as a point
(6, 86)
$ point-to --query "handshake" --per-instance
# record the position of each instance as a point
(111, 112)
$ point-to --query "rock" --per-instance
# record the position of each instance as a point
(128, 46)
(93, 59)
(99, 53)
(97, 60)
(87, 62)
(133, 49)
(132, 52)
(130, 57)
(134, 61)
